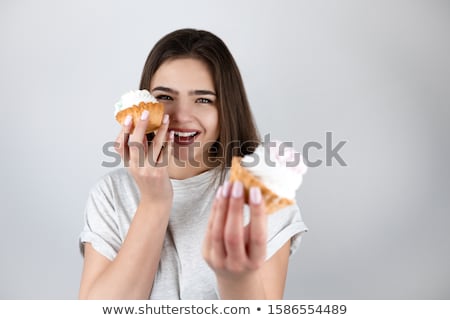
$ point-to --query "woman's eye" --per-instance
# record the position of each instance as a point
(164, 97)
(204, 100)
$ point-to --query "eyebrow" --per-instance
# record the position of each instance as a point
(191, 93)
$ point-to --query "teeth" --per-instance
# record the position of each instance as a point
(185, 134)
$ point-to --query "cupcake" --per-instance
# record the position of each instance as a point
(276, 169)
(134, 103)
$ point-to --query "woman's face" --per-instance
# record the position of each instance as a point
(186, 88)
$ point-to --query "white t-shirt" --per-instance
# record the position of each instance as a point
(182, 272)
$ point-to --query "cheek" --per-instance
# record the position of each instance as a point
(210, 120)
(213, 123)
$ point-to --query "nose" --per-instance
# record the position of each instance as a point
(179, 111)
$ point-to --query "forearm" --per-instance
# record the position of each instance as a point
(246, 287)
(131, 274)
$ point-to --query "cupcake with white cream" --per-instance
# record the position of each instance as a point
(134, 102)
(276, 168)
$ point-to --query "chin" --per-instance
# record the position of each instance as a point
(186, 157)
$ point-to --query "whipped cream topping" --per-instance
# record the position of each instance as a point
(133, 97)
(278, 166)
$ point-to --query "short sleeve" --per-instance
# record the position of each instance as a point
(100, 221)
(284, 225)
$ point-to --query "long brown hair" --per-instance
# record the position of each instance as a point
(238, 133)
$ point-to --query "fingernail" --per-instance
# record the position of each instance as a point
(144, 115)
(255, 195)
(237, 189)
(171, 135)
(166, 119)
(225, 190)
(127, 120)
(219, 192)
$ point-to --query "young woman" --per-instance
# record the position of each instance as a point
(172, 227)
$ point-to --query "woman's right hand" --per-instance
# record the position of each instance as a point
(147, 163)
(130, 275)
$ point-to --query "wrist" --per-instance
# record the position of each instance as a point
(155, 207)
(247, 285)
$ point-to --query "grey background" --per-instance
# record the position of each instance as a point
(374, 73)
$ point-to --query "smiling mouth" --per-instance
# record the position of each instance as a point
(185, 137)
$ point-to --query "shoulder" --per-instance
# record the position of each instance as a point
(283, 225)
(285, 216)
(112, 194)
(115, 181)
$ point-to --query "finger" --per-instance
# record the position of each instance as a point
(121, 144)
(136, 139)
(124, 134)
(234, 231)
(218, 225)
(207, 242)
(247, 233)
(140, 127)
(145, 144)
(214, 209)
(257, 228)
(159, 142)
(168, 152)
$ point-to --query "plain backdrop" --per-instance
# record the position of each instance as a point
(376, 74)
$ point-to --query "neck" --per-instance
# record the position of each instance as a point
(182, 170)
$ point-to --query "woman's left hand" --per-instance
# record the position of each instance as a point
(230, 249)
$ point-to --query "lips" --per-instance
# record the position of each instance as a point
(184, 136)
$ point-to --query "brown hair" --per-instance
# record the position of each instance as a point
(238, 133)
